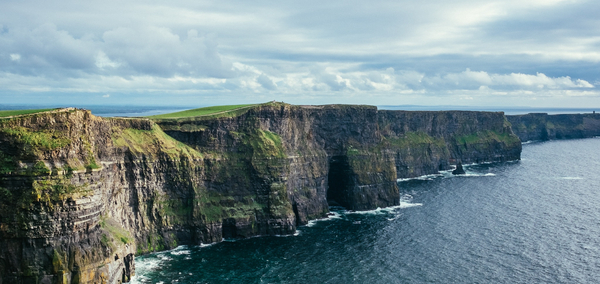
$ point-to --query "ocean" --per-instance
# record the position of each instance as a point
(536, 220)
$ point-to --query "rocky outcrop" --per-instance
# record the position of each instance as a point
(542, 127)
(459, 169)
(81, 195)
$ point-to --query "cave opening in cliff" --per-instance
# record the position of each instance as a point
(339, 182)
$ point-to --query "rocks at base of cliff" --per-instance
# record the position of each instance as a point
(459, 169)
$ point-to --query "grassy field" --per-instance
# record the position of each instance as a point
(202, 111)
(6, 113)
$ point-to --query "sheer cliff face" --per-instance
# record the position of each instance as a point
(349, 155)
(427, 141)
(80, 195)
(541, 126)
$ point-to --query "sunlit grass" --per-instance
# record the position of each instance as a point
(202, 111)
(6, 113)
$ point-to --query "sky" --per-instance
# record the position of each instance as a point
(533, 53)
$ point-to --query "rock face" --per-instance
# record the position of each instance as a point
(81, 195)
(542, 127)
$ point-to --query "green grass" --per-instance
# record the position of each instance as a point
(38, 140)
(202, 111)
(266, 144)
(115, 230)
(6, 113)
(151, 141)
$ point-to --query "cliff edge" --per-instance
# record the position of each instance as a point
(81, 195)
(542, 126)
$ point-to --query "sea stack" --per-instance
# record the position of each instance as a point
(459, 169)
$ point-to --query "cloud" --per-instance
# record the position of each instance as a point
(106, 96)
(44, 50)
(474, 79)
(125, 51)
(266, 82)
(158, 51)
(347, 50)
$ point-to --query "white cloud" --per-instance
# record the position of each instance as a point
(349, 50)
(106, 96)
(159, 51)
(474, 79)
(46, 48)
(103, 61)
(126, 51)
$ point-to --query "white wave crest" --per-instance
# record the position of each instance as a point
(386, 210)
(330, 216)
(408, 205)
(470, 174)
(424, 177)
(296, 233)
(180, 250)
(208, 245)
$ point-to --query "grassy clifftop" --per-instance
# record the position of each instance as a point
(212, 110)
(9, 113)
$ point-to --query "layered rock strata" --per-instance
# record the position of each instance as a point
(81, 195)
(542, 126)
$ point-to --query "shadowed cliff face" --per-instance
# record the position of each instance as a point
(542, 127)
(352, 155)
(80, 195)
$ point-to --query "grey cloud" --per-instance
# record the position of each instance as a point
(158, 51)
(321, 48)
(561, 23)
(266, 82)
(45, 50)
(322, 77)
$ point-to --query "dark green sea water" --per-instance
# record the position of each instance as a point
(532, 221)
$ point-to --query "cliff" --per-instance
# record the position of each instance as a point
(542, 127)
(81, 195)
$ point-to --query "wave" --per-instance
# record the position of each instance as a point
(180, 250)
(470, 174)
(448, 174)
(409, 205)
(296, 233)
(202, 245)
(330, 216)
(385, 210)
(155, 261)
(423, 177)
